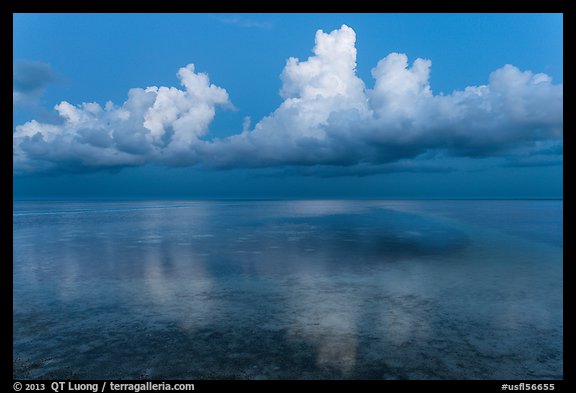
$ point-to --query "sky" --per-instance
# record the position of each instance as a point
(203, 106)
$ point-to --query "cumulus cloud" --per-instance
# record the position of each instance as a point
(29, 80)
(329, 121)
(156, 124)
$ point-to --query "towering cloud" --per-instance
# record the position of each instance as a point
(156, 124)
(328, 119)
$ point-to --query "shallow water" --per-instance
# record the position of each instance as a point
(288, 290)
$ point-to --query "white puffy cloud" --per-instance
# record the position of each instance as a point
(156, 124)
(329, 117)
(329, 120)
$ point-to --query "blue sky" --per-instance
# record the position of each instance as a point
(374, 106)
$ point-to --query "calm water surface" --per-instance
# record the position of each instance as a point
(288, 290)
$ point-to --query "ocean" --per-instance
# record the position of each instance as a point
(334, 289)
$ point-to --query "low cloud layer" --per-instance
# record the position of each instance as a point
(329, 121)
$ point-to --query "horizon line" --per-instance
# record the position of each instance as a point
(207, 199)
